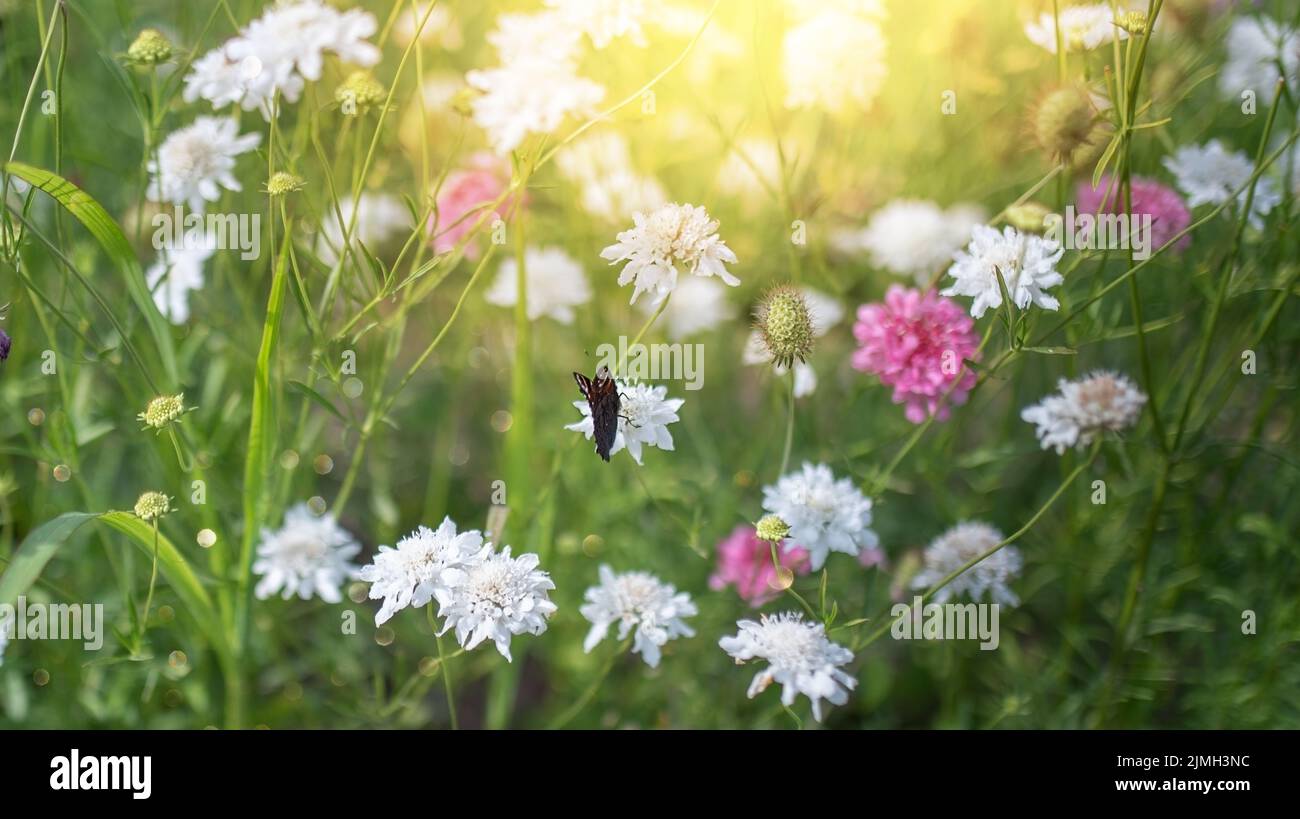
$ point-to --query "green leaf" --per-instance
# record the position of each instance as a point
(1104, 161)
(39, 547)
(176, 569)
(261, 436)
(1051, 350)
(36, 550)
(319, 399)
(92, 215)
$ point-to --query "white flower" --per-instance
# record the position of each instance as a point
(278, 52)
(1255, 48)
(835, 60)
(536, 86)
(603, 20)
(426, 565)
(1082, 28)
(380, 218)
(637, 600)
(699, 306)
(556, 284)
(825, 515)
(610, 187)
(529, 96)
(912, 237)
(308, 554)
(196, 162)
(799, 657)
(1209, 174)
(644, 417)
(1084, 409)
(540, 36)
(176, 273)
(665, 238)
(1027, 264)
(501, 596)
(958, 546)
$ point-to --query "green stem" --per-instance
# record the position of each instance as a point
(622, 360)
(446, 671)
(1203, 350)
(590, 692)
(789, 427)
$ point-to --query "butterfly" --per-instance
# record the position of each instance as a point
(602, 397)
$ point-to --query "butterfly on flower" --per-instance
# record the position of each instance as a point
(601, 393)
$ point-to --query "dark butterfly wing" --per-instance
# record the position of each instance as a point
(584, 385)
(602, 398)
(604, 420)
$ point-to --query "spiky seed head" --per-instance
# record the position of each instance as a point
(1134, 22)
(162, 410)
(283, 182)
(785, 325)
(150, 48)
(772, 529)
(362, 89)
(152, 505)
(1064, 122)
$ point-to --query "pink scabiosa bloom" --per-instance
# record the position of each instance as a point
(745, 561)
(1169, 216)
(465, 195)
(916, 342)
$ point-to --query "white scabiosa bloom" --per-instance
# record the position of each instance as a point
(500, 596)
(1210, 175)
(1083, 28)
(699, 306)
(277, 53)
(1084, 409)
(426, 565)
(536, 86)
(604, 20)
(1256, 47)
(1027, 264)
(380, 218)
(660, 241)
(644, 416)
(958, 546)
(824, 514)
(197, 161)
(176, 273)
(834, 60)
(799, 657)
(555, 281)
(528, 97)
(914, 237)
(640, 601)
(309, 555)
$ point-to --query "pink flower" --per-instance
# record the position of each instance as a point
(464, 198)
(1169, 216)
(916, 342)
(746, 562)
